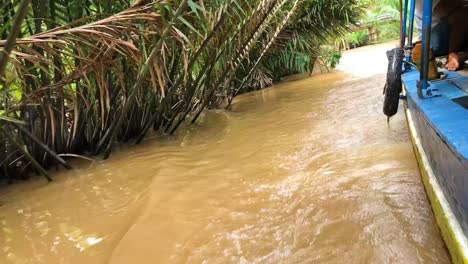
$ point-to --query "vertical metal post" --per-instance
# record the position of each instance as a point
(411, 22)
(409, 47)
(426, 45)
(403, 27)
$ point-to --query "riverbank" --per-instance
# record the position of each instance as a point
(107, 73)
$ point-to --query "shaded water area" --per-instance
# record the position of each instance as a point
(305, 172)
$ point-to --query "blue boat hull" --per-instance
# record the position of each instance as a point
(439, 131)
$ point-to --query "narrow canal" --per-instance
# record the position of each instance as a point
(305, 172)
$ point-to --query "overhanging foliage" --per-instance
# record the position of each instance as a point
(86, 74)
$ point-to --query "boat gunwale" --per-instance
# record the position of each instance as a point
(452, 233)
(451, 141)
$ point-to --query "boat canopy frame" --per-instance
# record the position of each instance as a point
(424, 90)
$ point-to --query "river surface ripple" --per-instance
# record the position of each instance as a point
(305, 172)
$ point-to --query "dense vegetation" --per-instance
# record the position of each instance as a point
(84, 75)
(383, 16)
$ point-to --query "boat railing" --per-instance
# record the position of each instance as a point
(424, 90)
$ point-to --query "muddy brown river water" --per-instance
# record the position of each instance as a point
(305, 172)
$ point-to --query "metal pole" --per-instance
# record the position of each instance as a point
(426, 46)
(411, 22)
(409, 47)
(403, 27)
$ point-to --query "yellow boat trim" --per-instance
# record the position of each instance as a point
(451, 230)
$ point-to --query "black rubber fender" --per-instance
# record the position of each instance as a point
(393, 85)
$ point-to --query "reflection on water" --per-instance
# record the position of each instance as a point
(306, 172)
